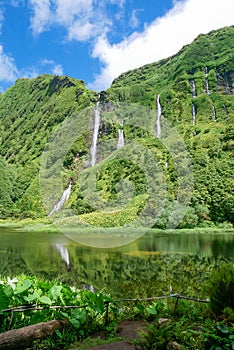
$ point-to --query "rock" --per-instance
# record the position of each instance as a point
(162, 321)
(173, 345)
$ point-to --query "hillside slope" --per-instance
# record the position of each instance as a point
(195, 93)
(29, 111)
(196, 88)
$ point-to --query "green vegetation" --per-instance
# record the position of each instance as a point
(221, 289)
(38, 299)
(115, 191)
(189, 324)
(30, 110)
(33, 108)
(209, 141)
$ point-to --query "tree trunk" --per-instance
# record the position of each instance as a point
(23, 337)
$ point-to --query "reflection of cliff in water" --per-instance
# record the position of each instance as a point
(196, 244)
(145, 267)
(12, 261)
(222, 248)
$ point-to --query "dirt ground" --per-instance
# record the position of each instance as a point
(128, 330)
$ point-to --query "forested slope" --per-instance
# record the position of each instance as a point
(196, 92)
(29, 111)
(196, 89)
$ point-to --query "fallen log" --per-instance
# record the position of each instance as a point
(22, 338)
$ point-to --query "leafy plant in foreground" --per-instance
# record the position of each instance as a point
(38, 299)
(221, 288)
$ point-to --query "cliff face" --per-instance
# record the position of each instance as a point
(194, 91)
(29, 112)
(213, 51)
(204, 69)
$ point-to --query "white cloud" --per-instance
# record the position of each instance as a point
(46, 61)
(80, 31)
(82, 19)
(16, 3)
(41, 15)
(45, 66)
(8, 69)
(57, 70)
(67, 11)
(162, 38)
(134, 20)
(121, 3)
(54, 67)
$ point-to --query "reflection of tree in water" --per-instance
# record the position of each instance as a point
(136, 271)
(150, 274)
(222, 248)
(12, 262)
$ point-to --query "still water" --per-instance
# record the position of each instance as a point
(146, 267)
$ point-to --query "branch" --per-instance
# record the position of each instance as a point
(35, 308)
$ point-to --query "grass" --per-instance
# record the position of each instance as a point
(31, 225)
(90, 343)
(101, 220)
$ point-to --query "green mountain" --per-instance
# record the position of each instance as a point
(192, 91)
(29, 111)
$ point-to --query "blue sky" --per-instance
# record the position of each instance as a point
(96, 40)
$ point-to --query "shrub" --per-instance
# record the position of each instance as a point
(221, 289)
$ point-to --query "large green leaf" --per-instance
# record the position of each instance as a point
(33, 297)
(45, 300)
(22, 286)
(55, 292)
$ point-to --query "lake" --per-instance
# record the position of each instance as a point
(145, 267)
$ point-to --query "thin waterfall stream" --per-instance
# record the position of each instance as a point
(214, 114)
(93, 149)
(121, 141)
(194, 94)
(207, 82)
(159, 116)
(193, 114)
(63, 199)
(193, 86)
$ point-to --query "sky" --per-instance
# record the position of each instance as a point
(97, 40)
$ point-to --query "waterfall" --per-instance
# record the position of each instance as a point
(207, 82)
(192, 83)
(93, 149)
(62, 200)
(193, 114)
(158, 121)
(63, 252)
(120, 139)
(89, 287)
(227, 87)
(214, 114)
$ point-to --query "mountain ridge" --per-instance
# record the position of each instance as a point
(197, 80)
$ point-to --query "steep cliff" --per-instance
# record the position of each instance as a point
(193, 91)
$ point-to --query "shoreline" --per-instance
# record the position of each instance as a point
(46, 224)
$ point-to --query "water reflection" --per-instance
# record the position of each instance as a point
(148, 266)
(63, 251)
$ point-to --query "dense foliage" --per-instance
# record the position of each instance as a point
(29, 112)
(221, 288)
(199, 79)
(190, 327)
(27, 300)
(207, 66)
